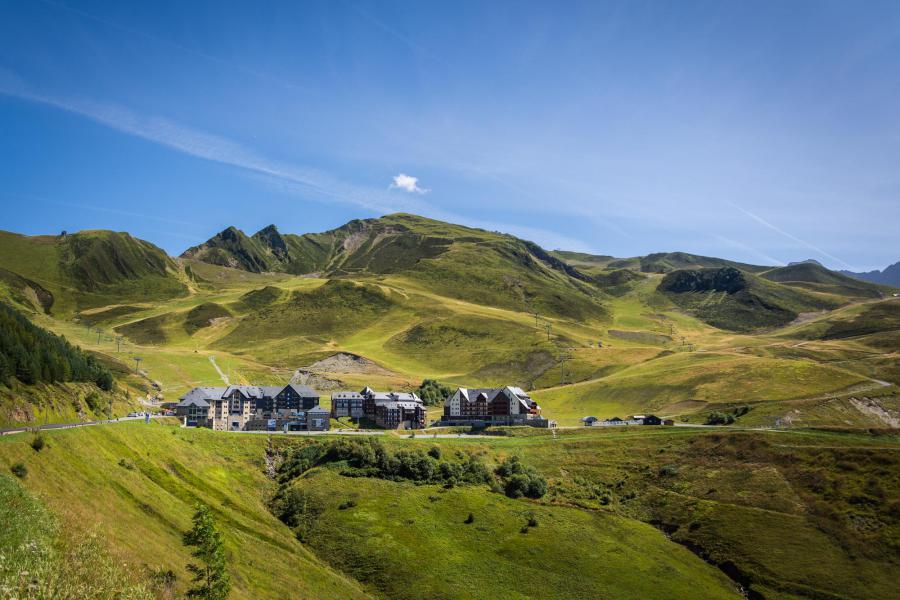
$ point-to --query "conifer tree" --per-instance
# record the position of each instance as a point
(213, 582)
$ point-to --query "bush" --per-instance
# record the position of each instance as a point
(668, 471)
(347, 504)
(435, 453)
(470, 519)
(520, 480)
(296, 509)
(19, 470)
(717, 418)
(94, 402)
(38, 443)
(532, 521)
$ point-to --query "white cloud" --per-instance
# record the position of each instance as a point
(408, 183)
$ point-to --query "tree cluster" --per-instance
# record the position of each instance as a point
(520, 479)
(721, 418)
(32, 355)
(432, 392)
(369, 457)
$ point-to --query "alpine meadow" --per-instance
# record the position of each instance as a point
(395, 300)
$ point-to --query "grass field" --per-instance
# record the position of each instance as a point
(787, 514)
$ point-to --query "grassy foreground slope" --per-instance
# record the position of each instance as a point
(800, 514)
(409, 541)
(139, 485)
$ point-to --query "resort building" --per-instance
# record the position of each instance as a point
(250, 407)
(492, 406)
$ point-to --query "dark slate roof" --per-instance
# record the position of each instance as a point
(304, 391)
(317, 409)
(194, 402)
(270, 391)
(204, 393)
(345, 395)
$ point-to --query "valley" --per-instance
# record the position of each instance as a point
(805, 360)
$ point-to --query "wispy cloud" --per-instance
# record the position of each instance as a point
(408, 183)
(769, 260)
(789, 236)
(313, 182)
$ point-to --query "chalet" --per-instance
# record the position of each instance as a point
(589, 421)
(492, 406)
(249, 407)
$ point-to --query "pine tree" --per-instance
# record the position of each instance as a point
(210, 575)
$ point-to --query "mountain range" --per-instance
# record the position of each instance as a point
(888, 276)
(415, 298)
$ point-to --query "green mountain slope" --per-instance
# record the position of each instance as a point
(730, 299)
(665, 262)
(816, 278)
(658, 262)
(456, 261)
(88, 268)
(779, 512)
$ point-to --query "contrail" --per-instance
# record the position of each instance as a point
(789, 236)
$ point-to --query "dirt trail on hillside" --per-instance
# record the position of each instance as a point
(224, 377)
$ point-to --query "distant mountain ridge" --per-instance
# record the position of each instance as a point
(888, 276)
(462, 262)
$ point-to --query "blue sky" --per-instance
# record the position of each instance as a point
(760, 131)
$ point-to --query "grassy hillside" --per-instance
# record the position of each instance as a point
(682, 383)
(424, 299)
(817, 278)
(456, 261)
(89, 268)
(659, 262)
(139, 483)
(421, 546)
(786, 514)
(731, 299)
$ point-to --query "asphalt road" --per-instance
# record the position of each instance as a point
(68, 425)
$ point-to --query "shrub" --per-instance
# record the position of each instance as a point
(520, 480)
(126, 464)
(296, 509)
(470, 519)
(38, 443)
(435, 452)
(94, 401)
(347, 504)
(532, 521)
(717, 418)
(668, 471)
(19, 470)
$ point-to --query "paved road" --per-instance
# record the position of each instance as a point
(68, 425)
